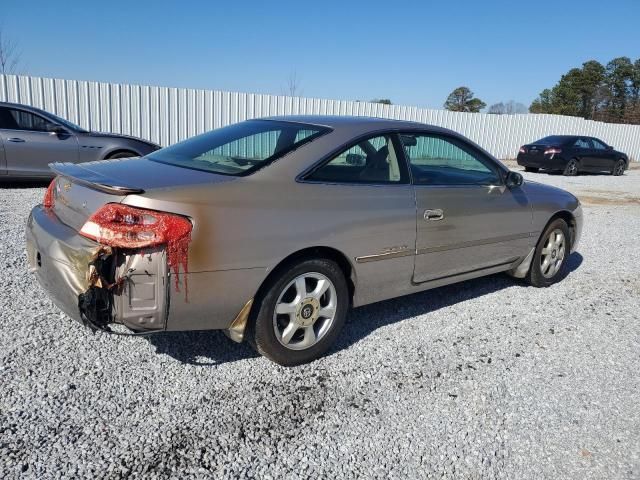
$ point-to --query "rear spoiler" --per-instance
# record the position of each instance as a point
(98, 181)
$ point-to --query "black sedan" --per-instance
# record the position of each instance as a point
(572, 154)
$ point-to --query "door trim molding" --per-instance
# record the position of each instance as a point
(500, 265)
(385, 255)
(475, 243)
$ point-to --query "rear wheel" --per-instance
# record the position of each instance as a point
(301, 313)
(531, 169)
(571, 170)
(550, 255)
(618, 168)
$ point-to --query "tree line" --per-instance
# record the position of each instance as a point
(609, 93)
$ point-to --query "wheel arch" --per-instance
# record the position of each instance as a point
(570, 220)
(109, 153)
(325, 252)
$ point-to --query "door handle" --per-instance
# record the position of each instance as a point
(432, 215)
(16, 140)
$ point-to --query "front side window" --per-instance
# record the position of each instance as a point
(370, 161)
(238, 149)
(439, 160)
(598, 145)
(13, 119)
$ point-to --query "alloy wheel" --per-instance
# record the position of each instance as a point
(305, 311)
(552, 255)
(572, 168)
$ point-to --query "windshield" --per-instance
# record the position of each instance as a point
(238, 149)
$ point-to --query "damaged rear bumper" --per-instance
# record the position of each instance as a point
(59, 257)
(93, 284)
(133, 288)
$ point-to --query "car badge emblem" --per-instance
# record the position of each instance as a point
(67, 186)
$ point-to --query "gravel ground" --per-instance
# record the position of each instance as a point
(485, 379)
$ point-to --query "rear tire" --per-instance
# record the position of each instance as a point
(551, 254)
(126, 154)
(300, 313)
(531, 169)
(571, 169)
(618, 168)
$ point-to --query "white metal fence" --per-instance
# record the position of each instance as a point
(167, 115)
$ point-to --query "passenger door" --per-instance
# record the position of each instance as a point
(363, 200)
(603, 158)
(467, 219)
(582, 150)
(30, 143)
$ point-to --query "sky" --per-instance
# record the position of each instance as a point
(414, 53)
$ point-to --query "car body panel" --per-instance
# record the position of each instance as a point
(481, 227)
(3, 158)
(59, 257)
(28, 152)
(245, 227)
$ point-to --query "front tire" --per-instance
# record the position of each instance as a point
(618, 168)
(551, 254)
(122, 154)
(531, 169)
(301, 312)
(571, 169)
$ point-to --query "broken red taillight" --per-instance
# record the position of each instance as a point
(552, 151)
(118, 225)
(48, 196)
(123, 226)
(523, 150)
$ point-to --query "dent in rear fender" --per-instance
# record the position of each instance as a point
(215, 298)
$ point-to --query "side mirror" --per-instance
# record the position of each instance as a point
(609, 147)
(56, 130)
(514, 179)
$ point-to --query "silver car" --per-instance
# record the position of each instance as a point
(271, 229)
(31, 138)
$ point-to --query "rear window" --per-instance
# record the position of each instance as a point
(553, 139)
(239, 149)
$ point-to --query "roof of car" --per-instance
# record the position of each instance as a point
(335, 121)
(13, 104)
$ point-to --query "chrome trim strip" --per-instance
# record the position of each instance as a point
(474, 243)
(384, 256)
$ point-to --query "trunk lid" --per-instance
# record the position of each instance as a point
(81, 189)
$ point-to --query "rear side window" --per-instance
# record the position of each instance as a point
(439, 160)
(582, 143)
(552, 140)
(371, 161)
(13, 119)
(239, 149)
